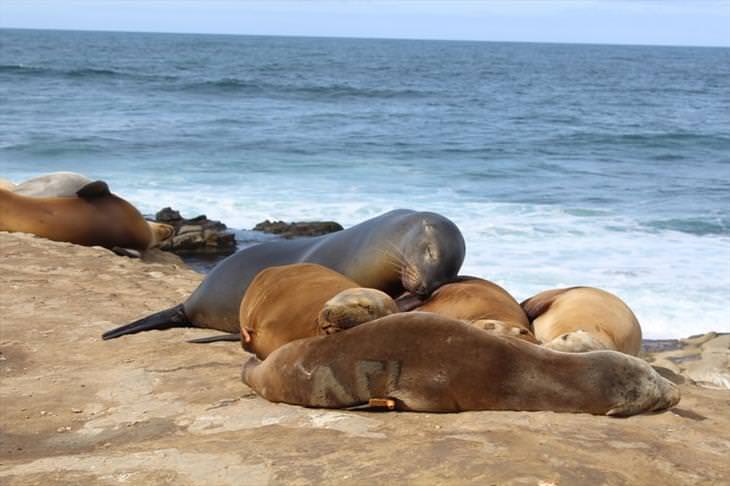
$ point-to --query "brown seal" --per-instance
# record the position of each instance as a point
(95, 217)
(353, 307)
(290, 302)
(424, 362)
(402, 250)
(68, 184)
(483, 303)
(579, 319)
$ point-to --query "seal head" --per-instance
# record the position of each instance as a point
(431, 256)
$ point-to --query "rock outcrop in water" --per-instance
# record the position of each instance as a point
(298, 229)
(195, 235)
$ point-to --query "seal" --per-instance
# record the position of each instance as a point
(68, 184)
(290, 302)
(480, 302)
(55, 184)
(398, 251)
(353, 307)
(450, 366)
(579, 319)
(95, 217)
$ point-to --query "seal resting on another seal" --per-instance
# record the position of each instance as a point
(398, 251)
(481, 302)
(68, 184)
(285, 303)
(95, 217)
(579, 319)
(449, 366)
(353, 307)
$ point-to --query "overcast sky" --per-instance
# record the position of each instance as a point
(671, 22)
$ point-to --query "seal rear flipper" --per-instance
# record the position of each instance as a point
(93, 189)
(214, 339)
(166, 319)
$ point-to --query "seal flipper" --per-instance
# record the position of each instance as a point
(166, 319)
(93, 189)
(214, 339)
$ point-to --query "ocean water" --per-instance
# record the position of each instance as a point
(562, 164)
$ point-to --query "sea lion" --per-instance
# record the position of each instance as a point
(95, 217)
(285, 303)
(67, 184)
(398, 251)
(450, 366)
(478, 301)
(55, 184)
(355, 306)
(579, 319)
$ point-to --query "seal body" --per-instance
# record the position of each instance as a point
(96, 217)
(449, 366)
(582, 319)
(399, 251)
(283, 304)
(67, 184)
(478, 301)
(55, 184)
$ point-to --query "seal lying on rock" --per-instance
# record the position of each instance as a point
(423, 362)
(579, 319)
(475, 300)
(94, 217)
(68, 184)
(290, 302)
(399, 251)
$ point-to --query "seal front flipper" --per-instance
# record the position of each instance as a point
(166, 319)
(93, 189)
(214, 339)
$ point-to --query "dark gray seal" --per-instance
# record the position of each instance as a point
(399, 251)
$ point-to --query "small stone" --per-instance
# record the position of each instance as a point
(43, 413)
(76, 410)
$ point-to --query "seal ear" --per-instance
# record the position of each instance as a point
(93, 189)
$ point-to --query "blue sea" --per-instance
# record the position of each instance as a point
(563, 165)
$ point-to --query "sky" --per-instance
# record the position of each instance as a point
(668, 22)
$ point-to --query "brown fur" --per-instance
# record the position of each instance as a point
(283, 303)
(474, 299)
(450, 366)
(353, 307)
(582, 319)
(104, 220)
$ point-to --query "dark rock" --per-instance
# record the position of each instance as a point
(167, 215)
(296, 230)
(196, 235)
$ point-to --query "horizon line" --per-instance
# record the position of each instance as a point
(715, 46)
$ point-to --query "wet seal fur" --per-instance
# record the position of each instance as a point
(68, 184)
(94, 217)
(290, 302)
(398, 251)
(580, 319)
(449, 366)
(481, 303)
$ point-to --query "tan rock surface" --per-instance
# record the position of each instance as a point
(153, 409)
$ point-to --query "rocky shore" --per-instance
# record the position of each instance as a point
(153, 409)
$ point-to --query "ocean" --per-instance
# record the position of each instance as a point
(563, 165)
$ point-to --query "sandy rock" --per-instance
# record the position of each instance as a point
(156, 410)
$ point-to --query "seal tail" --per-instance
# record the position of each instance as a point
(166, 319)
(214, 339)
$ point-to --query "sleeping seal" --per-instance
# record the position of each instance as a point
(424, 362)
(582, 319)
(399, 251)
